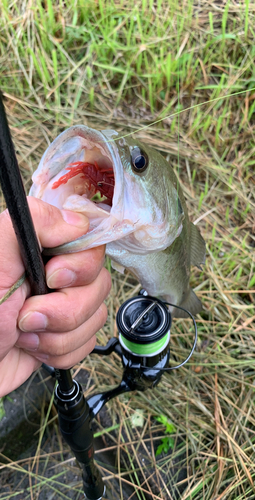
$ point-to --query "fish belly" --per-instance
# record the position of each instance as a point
(161, 274)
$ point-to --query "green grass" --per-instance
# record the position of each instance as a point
(180, 76)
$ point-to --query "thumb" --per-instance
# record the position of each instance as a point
(55, 227)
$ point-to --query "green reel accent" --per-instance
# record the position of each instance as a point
(145, 349)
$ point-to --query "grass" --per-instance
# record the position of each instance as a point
(185, 71)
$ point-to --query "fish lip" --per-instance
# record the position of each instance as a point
(104, 140)
(113, 227)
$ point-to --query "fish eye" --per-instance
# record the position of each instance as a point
(139, 160)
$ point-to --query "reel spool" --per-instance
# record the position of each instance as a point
(144, 334)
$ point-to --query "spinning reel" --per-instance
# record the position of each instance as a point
(143, 347)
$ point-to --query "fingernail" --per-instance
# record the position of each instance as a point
(75, 219)
(33, 321)
(28, 341)
(61, 278)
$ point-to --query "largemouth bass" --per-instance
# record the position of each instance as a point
(140, 211)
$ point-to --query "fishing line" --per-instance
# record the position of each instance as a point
(192, 349)
(215, 99)
(178, 124)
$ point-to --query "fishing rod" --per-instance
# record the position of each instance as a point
(143, 322)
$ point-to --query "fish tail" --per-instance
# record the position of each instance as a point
(190, 302)
(197, 247)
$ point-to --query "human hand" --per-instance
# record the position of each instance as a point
(58, 328)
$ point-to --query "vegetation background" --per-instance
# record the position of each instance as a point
(179, 75)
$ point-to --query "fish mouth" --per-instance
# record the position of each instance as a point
(82, 171)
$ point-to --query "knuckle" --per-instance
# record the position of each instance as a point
(68, 316)
(102, 314)
(107, 281)
(42, 211)
(97, 257)
(90, 345)
(69, 360)
(61, 346)
(88, 263)
(49, 215)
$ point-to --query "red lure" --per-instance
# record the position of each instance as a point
(102, 180)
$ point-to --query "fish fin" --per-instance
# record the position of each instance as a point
(197, 247)
(117, 267)
(190, 302)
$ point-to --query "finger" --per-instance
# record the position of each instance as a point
(54, 226)
(76, 269)
(66, 309)
(69, 360)
(59, 344)
(15, 369)
(12, 266)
